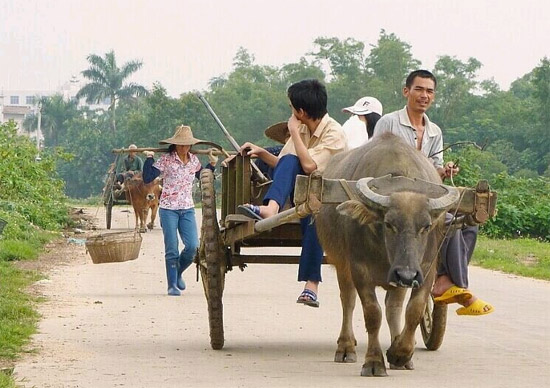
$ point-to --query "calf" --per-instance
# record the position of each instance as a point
(143, 197)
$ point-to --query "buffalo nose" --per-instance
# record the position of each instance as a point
(405, 277)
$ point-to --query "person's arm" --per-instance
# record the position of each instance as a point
(212, 161)
(251, 149)
(306, 161)
(150, 172)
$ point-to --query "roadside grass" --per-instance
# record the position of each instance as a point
(525, 257)
(18, 316)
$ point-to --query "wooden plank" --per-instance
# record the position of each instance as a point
(225, 190)
(247, 179)
(231, 205)
(239, 180)
(266, 259)
(333, 193)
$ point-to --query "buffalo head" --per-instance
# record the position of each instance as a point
(402, 213)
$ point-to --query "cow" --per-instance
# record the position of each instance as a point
(387, 239)
(143, 197)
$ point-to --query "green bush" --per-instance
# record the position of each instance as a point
(523, 203)
(31, 194)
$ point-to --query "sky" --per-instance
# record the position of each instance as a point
(185, 43)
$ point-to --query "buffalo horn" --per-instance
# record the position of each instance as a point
(380, 201)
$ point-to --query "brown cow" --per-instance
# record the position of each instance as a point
(143, 197)
(388, 239)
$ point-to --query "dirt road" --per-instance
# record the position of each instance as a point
(112, 325)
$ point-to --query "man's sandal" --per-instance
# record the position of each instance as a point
(453, 294)
(309, 298)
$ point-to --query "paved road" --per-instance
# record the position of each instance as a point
(112, 325)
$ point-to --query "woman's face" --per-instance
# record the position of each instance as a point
(182, 149)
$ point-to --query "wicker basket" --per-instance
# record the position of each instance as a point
(114, 247)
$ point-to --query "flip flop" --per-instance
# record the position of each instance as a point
(479, 307)
(309, 298)
(251, 211)
(453, 295)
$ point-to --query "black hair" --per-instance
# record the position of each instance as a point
(372, 119)
(309, 95)
(172, 148)
(421, 74)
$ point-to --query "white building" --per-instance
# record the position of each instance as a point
(16, 105)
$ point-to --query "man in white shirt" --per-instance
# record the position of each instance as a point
(413, 125)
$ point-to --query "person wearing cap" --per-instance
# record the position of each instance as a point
(178, 168)
(131, 164)
(412, 124)
(314, 138)
(359, 127)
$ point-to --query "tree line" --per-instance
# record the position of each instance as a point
(510, 126)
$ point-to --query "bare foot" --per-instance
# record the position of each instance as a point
(441, 284)
(270, 209)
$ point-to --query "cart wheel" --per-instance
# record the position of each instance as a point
(211, 256)
(433, 324)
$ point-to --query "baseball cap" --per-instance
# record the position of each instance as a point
(364, 106)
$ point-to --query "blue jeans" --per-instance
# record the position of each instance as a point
(282, 187)
(184, 222)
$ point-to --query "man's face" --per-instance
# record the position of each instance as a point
(421, 94)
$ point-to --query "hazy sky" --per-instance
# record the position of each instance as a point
(184, 43)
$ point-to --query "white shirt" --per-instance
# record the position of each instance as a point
(355, 131)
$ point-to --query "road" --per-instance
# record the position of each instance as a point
(112, 325)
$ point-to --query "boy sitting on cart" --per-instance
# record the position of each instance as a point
(314, 138)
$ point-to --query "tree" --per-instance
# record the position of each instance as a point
(56, 115)
(107, 81)
(387, 66)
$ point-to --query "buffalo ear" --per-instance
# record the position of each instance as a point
(358, 211)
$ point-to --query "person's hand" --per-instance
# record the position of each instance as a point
(149, 154)
(212, 159)
(294, 125)
(250, 149)
(451, 169)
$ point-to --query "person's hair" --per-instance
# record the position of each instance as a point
(421, 74)
(172, 148)
(372, 119)
(309, 95)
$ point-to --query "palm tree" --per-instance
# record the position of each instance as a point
(107, 81)
(56, 115)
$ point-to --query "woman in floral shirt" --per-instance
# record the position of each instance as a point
(178, 168)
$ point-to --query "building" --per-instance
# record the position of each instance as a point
(16, 105)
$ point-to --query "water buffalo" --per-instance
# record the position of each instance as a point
(386, 239)
(143, 197)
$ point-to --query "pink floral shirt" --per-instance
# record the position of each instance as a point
(177, 180)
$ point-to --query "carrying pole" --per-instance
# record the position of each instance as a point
(228, 135)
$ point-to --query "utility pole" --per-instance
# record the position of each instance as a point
(38, 158)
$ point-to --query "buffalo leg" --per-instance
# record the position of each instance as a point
(394, 306)
(374, 359)
(402, 347)
(345, 351)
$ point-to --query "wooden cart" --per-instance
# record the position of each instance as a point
(111, 196)
(222, 240)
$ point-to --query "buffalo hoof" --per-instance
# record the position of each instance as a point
(374, 369)
(142, 230)
(345, 357)
(150, 226)
(408, 366)
(396, 359)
